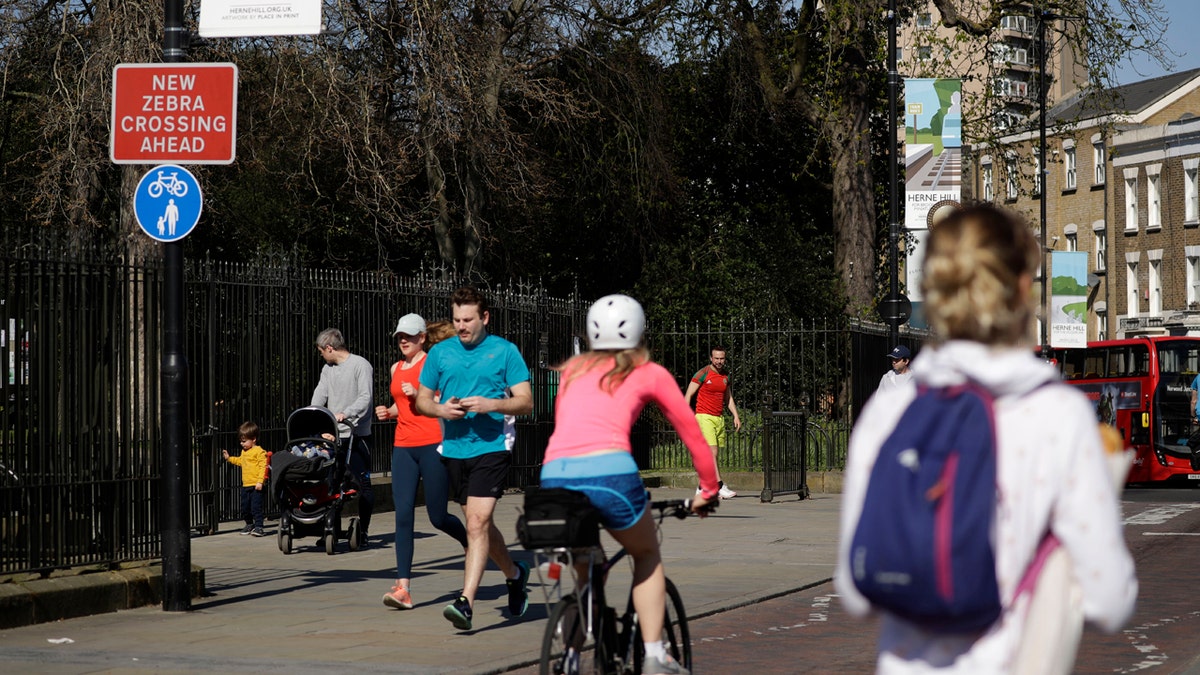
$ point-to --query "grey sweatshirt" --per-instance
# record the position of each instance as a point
(346, 388)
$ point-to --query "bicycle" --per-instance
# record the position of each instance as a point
(171, 184)
(614, 641)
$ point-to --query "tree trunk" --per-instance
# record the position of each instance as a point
(853, 201)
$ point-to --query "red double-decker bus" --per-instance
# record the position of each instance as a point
(1142, 386)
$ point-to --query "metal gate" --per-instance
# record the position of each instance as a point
(785, 453)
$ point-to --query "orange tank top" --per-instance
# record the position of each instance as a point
(412, 428)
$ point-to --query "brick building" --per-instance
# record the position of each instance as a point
(1104, 146)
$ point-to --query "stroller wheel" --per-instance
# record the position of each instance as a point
(284, 536)
(331, 532)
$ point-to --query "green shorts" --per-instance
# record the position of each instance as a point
(713, 428)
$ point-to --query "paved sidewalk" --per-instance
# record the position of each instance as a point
(309, 612)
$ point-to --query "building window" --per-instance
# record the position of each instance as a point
(1069, 168)
(1072, 242)
(1153, 200)
(1003, 53)
(1016, 23)
(924, 20)
(1192, 270)
(1131, 205)
(1010, 178)
(1101, 250)
(1100, 159)
(1191, 190)
(899, 54)
(1101, 325)
(1003, 86)
(1154, 288)
(924, 53)
(987, 183)
(1131, 290)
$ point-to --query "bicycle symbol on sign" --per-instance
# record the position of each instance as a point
(171, 184)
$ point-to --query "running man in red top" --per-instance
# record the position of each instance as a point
(713, 394)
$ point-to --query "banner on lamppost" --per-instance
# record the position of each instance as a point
(933, 169)
(1068, 298)
(253, 18)
(932, 146)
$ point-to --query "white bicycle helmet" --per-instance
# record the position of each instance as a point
(615, 322)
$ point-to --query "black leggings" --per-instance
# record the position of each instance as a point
(360, 468)
(410, 465)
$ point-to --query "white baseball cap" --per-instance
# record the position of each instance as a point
(410, 324)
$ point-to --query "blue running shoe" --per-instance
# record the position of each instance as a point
(459, 613)
(518, 591)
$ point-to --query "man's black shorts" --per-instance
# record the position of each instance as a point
(481, 476)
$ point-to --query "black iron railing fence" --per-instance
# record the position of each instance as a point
(79, 408)
(250, 347)
(79, 378)
(773, 365)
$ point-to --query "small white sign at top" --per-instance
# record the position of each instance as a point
(252, 18)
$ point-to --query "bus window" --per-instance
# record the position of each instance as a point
(1073, 363)
(1128, 361)
(1179, 358)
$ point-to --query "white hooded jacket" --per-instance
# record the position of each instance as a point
(1051, 477)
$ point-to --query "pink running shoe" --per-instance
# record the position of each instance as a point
(398, 597)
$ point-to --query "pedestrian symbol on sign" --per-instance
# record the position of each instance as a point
(167, 203)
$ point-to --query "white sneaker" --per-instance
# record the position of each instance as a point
(666, 665)
(726, 493)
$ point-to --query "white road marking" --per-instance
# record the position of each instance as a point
(1160, 514)
(819, 614)
(1171, 534)
(1151, 656)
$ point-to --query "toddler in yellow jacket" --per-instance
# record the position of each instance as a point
(253, 461)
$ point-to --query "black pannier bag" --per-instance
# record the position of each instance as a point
(558, 518)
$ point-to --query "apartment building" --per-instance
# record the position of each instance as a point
(1156, 225)
(1000, 74)
(1116, 187)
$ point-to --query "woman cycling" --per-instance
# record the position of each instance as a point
(601, 395)
(414, 456)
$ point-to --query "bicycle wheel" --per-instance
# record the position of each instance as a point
(676, 637)
(564, 630)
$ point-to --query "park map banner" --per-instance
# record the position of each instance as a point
(1068, 298)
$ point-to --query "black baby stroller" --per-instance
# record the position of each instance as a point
(311, 482)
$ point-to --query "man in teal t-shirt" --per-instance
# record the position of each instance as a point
(480, 378)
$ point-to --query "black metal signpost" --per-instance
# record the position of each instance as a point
(176, 469)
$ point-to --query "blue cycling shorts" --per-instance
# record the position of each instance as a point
(610, 481)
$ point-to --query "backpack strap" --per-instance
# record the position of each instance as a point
(1048, 545)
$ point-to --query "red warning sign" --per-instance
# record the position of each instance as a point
(174, 113)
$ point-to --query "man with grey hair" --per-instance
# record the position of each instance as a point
(345, 388)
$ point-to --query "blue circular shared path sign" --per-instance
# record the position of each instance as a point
(167, 202)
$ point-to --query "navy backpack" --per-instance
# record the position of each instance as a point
(921, 549)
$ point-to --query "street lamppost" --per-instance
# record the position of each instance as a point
(1043, 181)
(176, 467)
(893, 182)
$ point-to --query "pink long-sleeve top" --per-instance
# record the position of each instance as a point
(589, 418)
